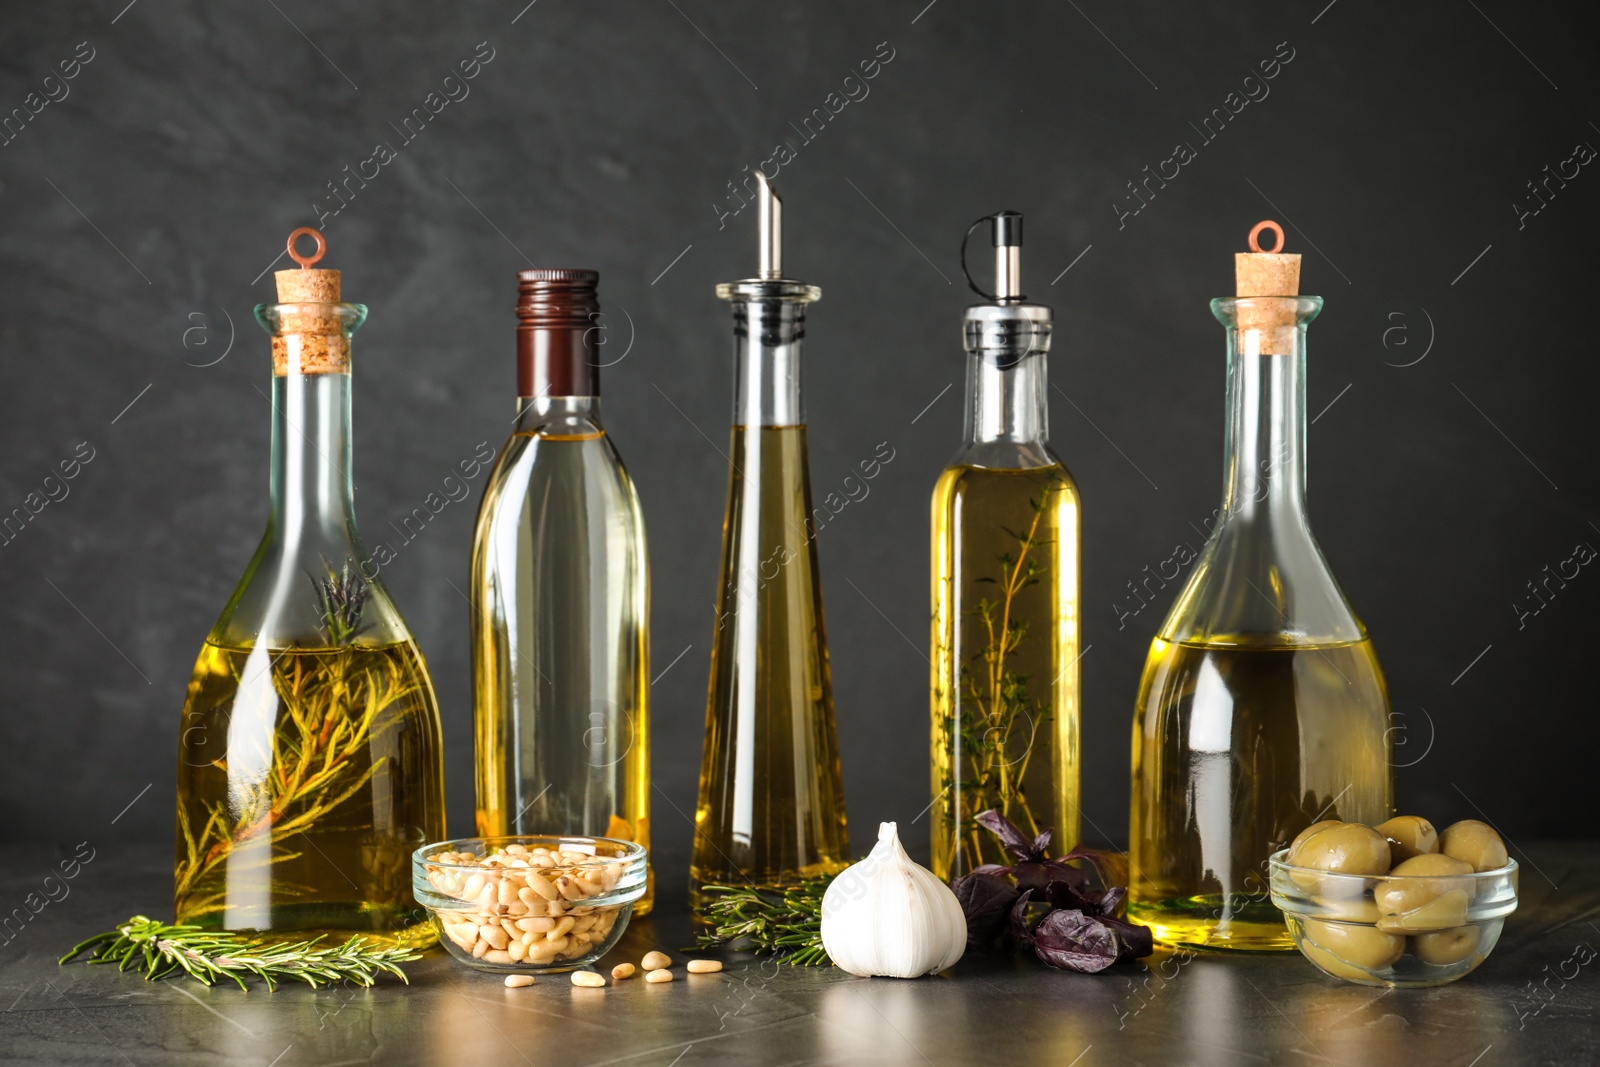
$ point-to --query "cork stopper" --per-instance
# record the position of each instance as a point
(311, 338)
(1262, 275)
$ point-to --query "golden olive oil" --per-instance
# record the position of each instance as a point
(1005, 665)
(306, 778)
(1237, 747)
(771, 809)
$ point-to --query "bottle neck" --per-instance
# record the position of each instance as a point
(1007, 404)
(768, 334)
(1264, 473)
(313, 496)
(549, 414)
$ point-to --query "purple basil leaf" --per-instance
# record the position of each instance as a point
(1110, 902)
(1062, 894)
(991, 868)
(1137, 941)
(1017, 926)
(1072, 941)
(1112, 867)
(1008, 834)
(986, 901)
(1041, 844)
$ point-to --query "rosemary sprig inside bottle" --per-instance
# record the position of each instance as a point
(160, 950)
(330, 704)
(787, 923)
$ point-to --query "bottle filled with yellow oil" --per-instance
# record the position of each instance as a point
(1262, 708)
(1005, 591)
(771, 806)
(561, 584)
(309, 765)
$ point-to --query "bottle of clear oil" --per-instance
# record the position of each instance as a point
(309, 763)
(560, 578)
(771, 807)
(1262, 708)
(1005, 593)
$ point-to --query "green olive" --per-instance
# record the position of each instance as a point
(1346, 848)
(1344, 907)
(1307, 832)
(1331, 964)
(1446, 946)
(1476, 843)
(1415, 899)
(1409, 835)
(1362, 946)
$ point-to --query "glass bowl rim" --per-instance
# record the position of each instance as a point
(629, 852)
(1278, 862)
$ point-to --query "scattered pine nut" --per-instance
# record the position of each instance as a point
(514, 981)
(587, 978)
(621, 971)
(704, 966)
(655, 961)
(661, 974)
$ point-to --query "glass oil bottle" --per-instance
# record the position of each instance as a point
(561, 595)
(309, 763)
(1005, 590)
(771, 807)
(1262, 708)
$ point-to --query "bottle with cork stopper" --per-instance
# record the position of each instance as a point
(1005, 588)
(561, 584)
(310, 763)
(1262, 708)
(771, 807)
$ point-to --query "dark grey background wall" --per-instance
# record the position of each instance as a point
(1452, 374)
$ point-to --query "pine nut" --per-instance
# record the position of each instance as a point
(662, 975)
(704, 966)
(531, 906)
(655, 961)
(621, 971)
(587, 978)
(517, 981)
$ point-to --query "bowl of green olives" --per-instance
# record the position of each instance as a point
(1398, 905)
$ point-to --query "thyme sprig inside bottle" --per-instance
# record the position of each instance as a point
(1005, 590)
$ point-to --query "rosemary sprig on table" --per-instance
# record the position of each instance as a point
(160, 950)
(784, 922)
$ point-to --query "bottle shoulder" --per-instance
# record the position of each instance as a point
(564, 477)
(1006, 455)
(1263, 583)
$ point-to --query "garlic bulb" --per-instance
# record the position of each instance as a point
(888, 916)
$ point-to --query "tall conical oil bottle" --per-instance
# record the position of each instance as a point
(771, 806)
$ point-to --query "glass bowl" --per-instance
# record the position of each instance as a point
(533, 904)
(1400, 931)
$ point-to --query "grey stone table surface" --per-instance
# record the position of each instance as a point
(1534, 1001)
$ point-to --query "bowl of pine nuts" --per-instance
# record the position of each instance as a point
(530, 904)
